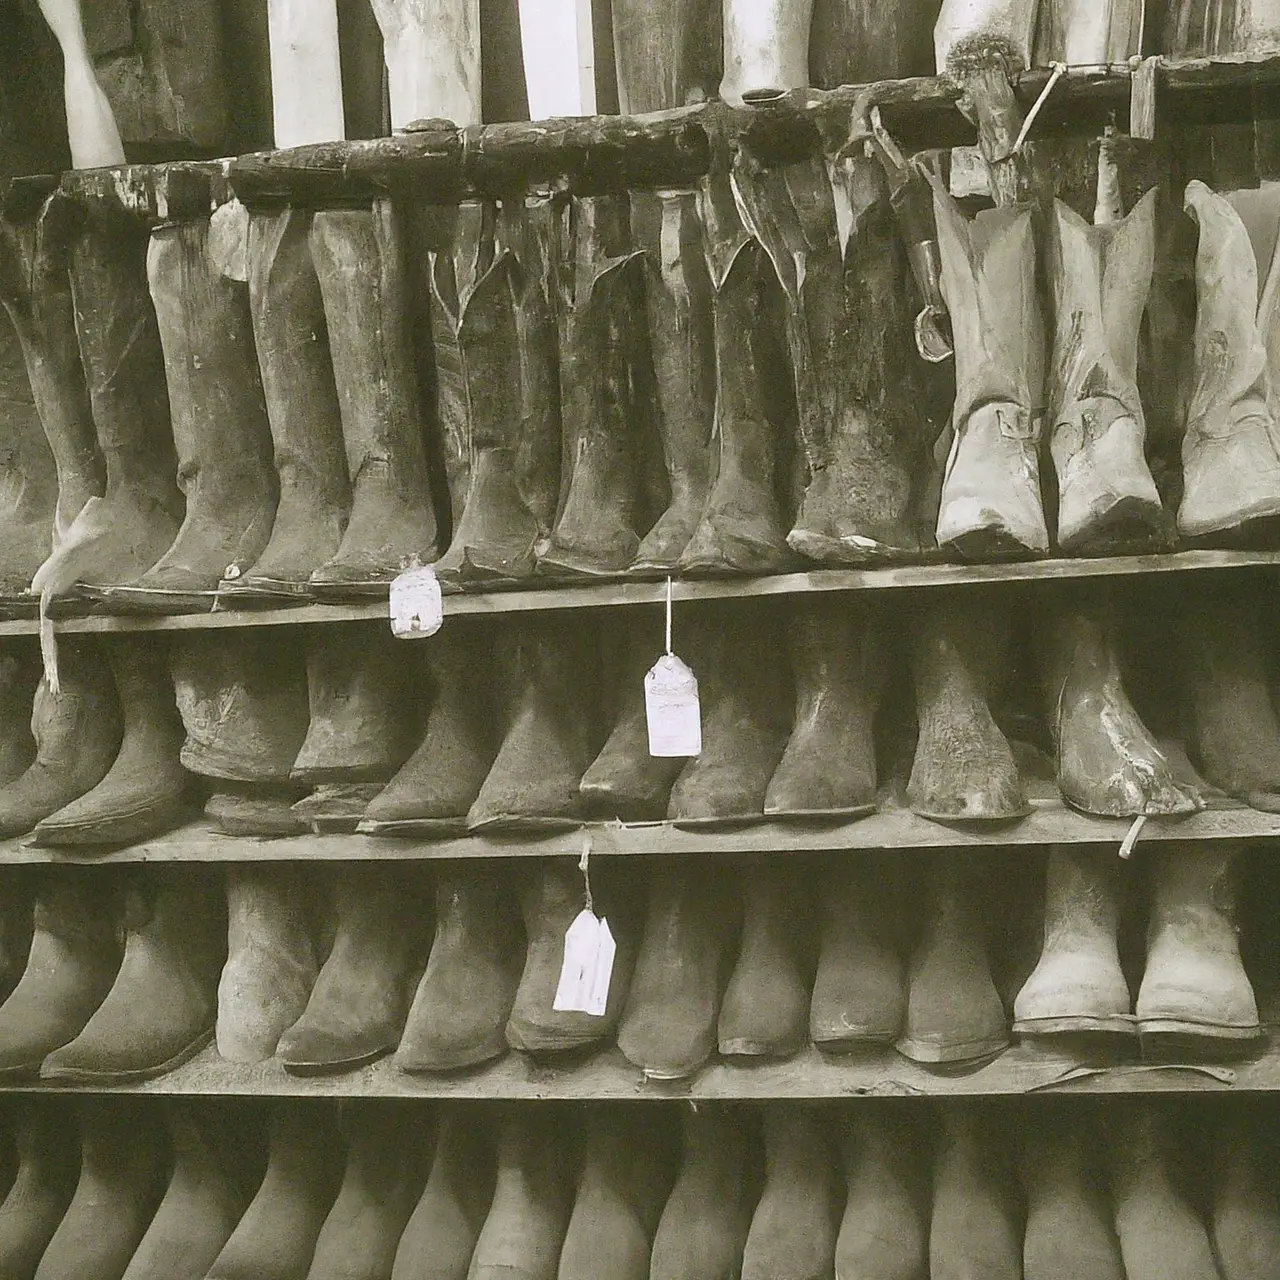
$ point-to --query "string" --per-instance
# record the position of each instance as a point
(1131, 838)
(668, 616)
(1059, 70)
(586, 874)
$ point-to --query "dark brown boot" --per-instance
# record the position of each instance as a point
(666, 57)
(19, 680)
(48, 1151)
(1245, 1214)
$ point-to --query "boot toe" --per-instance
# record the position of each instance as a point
(307, 1049)
(123, 1055)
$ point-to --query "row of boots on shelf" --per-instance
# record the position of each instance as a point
(1031, 1190)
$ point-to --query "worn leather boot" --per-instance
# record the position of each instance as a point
(48, 1164)
(668, 1027)
(666, 57)
(73, 961)
(160, 1010)
(1194, 983)
(19, 680)
(766, 50)
(361, 997)
(829, 767)
(765, 1008)
(1244, 1216)
(459, 1015)
(16, 927)
(794, 1227)
(1078, 984)
(271, 961)
(146, 790)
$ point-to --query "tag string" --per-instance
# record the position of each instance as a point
(1059, 70)
(586, 873)
(1131, 837)
(668, 616)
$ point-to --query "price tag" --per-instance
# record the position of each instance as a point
(671, 708)
(587, 968)
(416, 605)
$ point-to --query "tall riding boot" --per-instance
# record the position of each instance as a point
(145, 791)
(838, 664)
(292, 341)
(358, 257)
(964, 768)
(459, 1015)
(793, 1230)
(1245, 1214)
(766, 49)
(48, 1164)
(703, 1229)
(1231, 445)
(1077, 984)
(19, 680)
(954, 1013)
(668, 1027)
(666, 57)
(991, 490)
(361, 997)
(161, 1009)
(271, 961)
(1194, 983)
(765, 1008)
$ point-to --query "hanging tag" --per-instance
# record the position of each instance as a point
(671, 708)
(417, 608)
(587, 968)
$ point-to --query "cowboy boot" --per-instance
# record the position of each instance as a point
(1244, 1216)
(145, 791)
(1078, 984)
(161, 1008)
(838, 663)
(1085, 35)
(766, 49)
(432, 59)
(271, 961)
(793, 1230)
(301, 399)
(19, 680)
(764, 1012)
(459, 1014)
(48, 1164)
(1194, 983)
(666, 57)
(853, 44)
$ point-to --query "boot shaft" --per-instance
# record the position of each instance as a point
(766, 49)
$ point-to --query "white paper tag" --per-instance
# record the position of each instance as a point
(587, 967)
(416, 605)
(671, 708)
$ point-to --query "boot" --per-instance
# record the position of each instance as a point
(1231, 445)
(1194, 982)
(336, 807)
(72, 963)
(860, 991)
(122, 1179)
(853, 45)
(271, 961)
(459, 1015)
(442, 1231)
(361, 996)
(829, 767)
(292, 341)
(19, 680)
(1078, 984)
(358, 257)
(667, 57)
(766, 50)
(990, 503)
(532, 1198)
(793, 1230)
(16, 927)
(626, 1175)
(550, 738)
(439, 782)
(1082, 36)
(668, 1027)
(765, 1008)
(144, 793)
(48, 1164)
(885, 1230)
(160, 1010)
(1244, 1218)
(954, 1013)
(255, 809)
(964, 769)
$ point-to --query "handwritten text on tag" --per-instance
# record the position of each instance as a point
(416, 605)
(588, 965)
(671, 708)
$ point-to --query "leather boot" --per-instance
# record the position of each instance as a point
(361, 997)
(666, 57)
(255, 809)
(1244, 1216)
(829, 767)
(1077, 984)
(532, 1198)
(19, 680)
(765, 1008)
(1231, 445)
(358, 255)
(459, 1015)
(77, 732)
(335, 807)
(793, 1230)
(884, 1233)
(766, 50)
(160, 1010)
(292, 342)
(626, 1175)
(48, 1164)
(859, 46)
(1194, 983)
(1082, 36)
(72, 963)
(16, 927)
(271, 961)
(990, 503)
(549, 675)
(860, 990)
(442, 1231)
(145, 792)
(668, 1027)
(954, 1012)
(123, 1163)
(1195, 29)
(964, 768)
(439, 782)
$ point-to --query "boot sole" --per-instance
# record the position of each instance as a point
(759, 1049)
(726, 820)
(1201, 1030)
(519, 822)
(1115, 1023)
(78, 1075)
(145, 600)
(336, 1067)
(820, 815)
(968, 1051)
(266, 592)
(411, 826)
(853, 1039)
(439, 1066)
(1004, 815)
